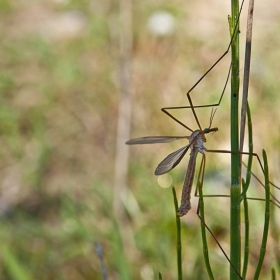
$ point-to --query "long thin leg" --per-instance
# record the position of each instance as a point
(222, 56)
(273, 200)
(201, 204)
(200, 178)
(200, 79)
(165, 109)
(277, 203)
(192, 107)
(203, 223)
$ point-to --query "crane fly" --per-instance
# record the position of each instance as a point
(196, 140)
(196, 145)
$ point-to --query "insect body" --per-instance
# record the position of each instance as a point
(196, 140)
(196, 144)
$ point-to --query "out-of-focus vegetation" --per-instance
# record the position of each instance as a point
(59, 86)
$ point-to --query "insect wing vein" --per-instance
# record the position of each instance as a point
(171, 161)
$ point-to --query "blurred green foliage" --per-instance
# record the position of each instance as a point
(59, 92)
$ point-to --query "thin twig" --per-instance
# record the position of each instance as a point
(247, 64)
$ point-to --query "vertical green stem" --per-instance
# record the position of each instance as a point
(235, 247)
(266, 218)
(251, 150)
(203, 233)
(179, 245)
(245, 186)
(246, 233)
(273, 274)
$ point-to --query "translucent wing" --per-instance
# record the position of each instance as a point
(171, 161)
(154, 139)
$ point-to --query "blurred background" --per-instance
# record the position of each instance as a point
(77, 80)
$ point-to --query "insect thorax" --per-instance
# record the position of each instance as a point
(196, 141)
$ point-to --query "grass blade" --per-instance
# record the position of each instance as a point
(246, 235)
(273, 274)
(235, 241)
(203, 232)
(245, 186)
(14, 267)
(178, 230)
(250, 158)
(266, 218)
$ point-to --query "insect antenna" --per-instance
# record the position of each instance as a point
(213, 112)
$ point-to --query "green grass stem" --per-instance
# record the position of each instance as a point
(235, 241)
(121, 261)
(266, 218)
(251, 149)
(203, 232)
(178, 231)
(273, 274)
(14, 267)
(246, 234)
(245, 186)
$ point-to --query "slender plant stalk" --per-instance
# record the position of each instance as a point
(273, 274)
(125, 107)
(203, 232)
(245, 109)
(275, 233)
(245, 186)
(235, 241)
(118, 249)
(266, 218)
(246, 235)
(251, 149)
(159, 276)
(247, 64)
(178, 229)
